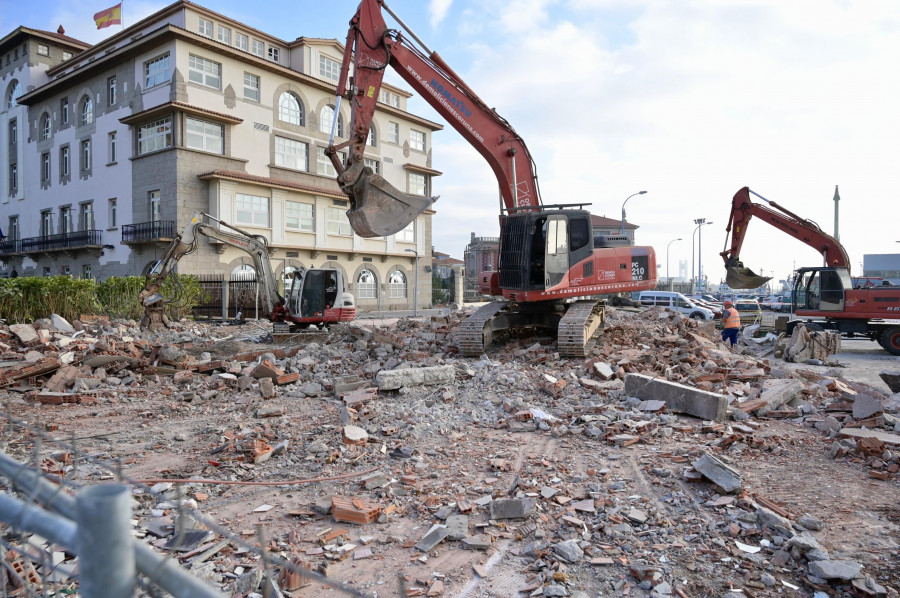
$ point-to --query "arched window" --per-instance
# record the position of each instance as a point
(397, 284)
(373, 138)
(12, 96)
(87, 111)
(366, 284)
(325, 119)
(243, 272)
(46, 127)
(290, 109)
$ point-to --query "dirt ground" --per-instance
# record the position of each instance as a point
(684, 533)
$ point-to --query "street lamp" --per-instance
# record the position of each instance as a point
(416, 292)
(623, 208)
(699, 222)
(667, 262)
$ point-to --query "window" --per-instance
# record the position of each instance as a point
(393, 132)
(64, 161)
(397, 284)
(298, 216)
(290, 109)
(113, 148)
(45, 223)
(64, 111)
(43, 50)
(366, 285)
(417, 184)
(291, 154)
(86, 154)
(338, 223)
(391, 99)
(205, 136)
(45, 167)
(205, 72)
(87, 111)
(205, 28)
(155, 211)
(113, 213)
(251, 87)
(323, 163)
(65, 220)
(87, 216)
(252, 209)
(328, 68)
(46, 126)
(66, 271)
(372, 139)
(13, 179)
(12, 96)
(417, 140)
(111, 91)
(13, 228)
(408, 234)
(326, 118)
(86, 272)
(13, 132)
(258, 48)
(241, 41)
(155, 136)
(156, 71)
(224, 35)
(375, 165)
(67, 56)
(273, 54)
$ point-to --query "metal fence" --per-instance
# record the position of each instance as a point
(59, 536)
(228, 299)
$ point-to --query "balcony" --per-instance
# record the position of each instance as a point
(148, 232)
(11, 247)
(83, 239)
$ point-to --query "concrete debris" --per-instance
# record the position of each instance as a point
(892, 379)
(531, 472)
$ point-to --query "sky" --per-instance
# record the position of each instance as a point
(690, 101)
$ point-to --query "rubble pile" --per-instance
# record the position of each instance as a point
(634, 471)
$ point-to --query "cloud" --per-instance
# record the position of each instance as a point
(438, 11)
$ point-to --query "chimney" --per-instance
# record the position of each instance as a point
(61, 31)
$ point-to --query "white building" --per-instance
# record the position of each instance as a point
(110, 149)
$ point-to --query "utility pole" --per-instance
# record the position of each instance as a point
(837, 198)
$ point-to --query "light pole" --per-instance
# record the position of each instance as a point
(669, 278)
(623, 208)
(699, 222)
(416, 292)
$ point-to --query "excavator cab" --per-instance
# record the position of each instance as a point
(821, 289)
(316, 290)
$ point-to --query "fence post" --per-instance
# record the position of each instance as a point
(106, 549)
(224, 299)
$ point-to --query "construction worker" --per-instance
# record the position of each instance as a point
(732, 320)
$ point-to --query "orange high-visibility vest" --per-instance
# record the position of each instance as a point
(732, 318)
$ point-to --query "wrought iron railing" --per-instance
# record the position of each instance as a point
(72, 240)
(145, 232)
(11, 246)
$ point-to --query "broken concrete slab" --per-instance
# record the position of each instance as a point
(892, 379)
(266, 388)
(512, 508)
(569, 551)
(457, 526)
(776, 393)
(678, 397)
(718, 473)
(845, 570)
(604, 370)
(884, 437)
(403, 377)
(435, 536)
(865, 406)
(61, 324)
(25, 332)
(478, 542)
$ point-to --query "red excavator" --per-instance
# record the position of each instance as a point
(825, 294)
(550, 260)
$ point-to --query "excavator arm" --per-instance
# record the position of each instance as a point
(807, 231)
(185, 243)
(377, 208)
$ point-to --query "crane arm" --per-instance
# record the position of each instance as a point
(186, 242)
(371, 46)
(807, 231)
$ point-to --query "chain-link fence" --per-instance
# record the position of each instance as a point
(67, 528)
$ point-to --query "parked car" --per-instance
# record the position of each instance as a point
(749, 311)
(675, 302)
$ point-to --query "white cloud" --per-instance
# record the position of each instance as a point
(704, 98)
(438, 10)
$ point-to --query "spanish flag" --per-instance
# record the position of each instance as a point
(110, 16)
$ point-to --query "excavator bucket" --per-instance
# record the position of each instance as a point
(378, 208)
(744, 278)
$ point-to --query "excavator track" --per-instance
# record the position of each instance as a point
(473, 338)
(576, 329)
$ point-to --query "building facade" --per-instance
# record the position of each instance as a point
(108, 150)
(882, 265)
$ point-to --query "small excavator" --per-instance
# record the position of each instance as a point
(316, 295)
(551, 263)
(824, 295)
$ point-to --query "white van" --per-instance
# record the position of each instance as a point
(675, 302)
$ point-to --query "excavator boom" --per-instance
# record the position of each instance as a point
(807, 231)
